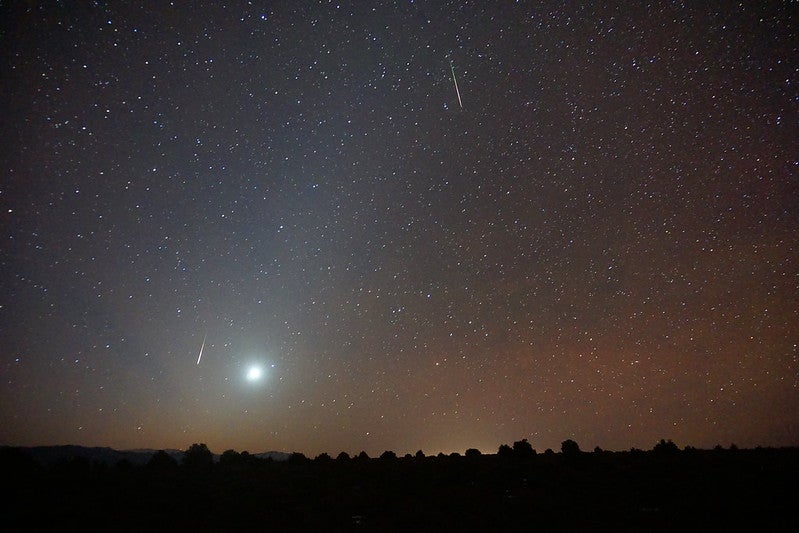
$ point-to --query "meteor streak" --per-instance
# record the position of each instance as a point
(202, 348)
(452, 67)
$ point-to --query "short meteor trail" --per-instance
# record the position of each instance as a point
(451, 66)
(202, 348)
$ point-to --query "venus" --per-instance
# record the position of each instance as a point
(254, 373)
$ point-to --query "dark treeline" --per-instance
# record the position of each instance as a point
(517, 488)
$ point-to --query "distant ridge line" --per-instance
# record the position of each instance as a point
(50, 455)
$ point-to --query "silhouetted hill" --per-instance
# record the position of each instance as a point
(50, 455)
(275, 456)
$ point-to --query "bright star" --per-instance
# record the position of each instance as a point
(254, 373)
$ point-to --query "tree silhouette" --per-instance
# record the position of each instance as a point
(522, 449)
(505, 451)
(198, 458)
(343, 456)
(249, 459)
(230, 458)
(569, 448)
(419, 454)
(472, 453)
(388, 455)
(363, 456)
(323, 458)
(297, 458)
(665, 447)
(162, 462)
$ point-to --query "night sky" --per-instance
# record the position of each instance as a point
(598, 242)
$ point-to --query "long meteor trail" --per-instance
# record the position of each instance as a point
(202, 348)
(452, 67)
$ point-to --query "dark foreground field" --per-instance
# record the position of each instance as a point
(719, 490)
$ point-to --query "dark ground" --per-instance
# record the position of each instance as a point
(696, 490)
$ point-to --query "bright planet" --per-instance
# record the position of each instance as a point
(254, 373)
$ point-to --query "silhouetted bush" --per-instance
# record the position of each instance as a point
(198, 458)
(162, 462)
(473, 453)
(523, 449)
(569, 448)
(505, 451)
(323, 458)
(297, 458)
(230, 458)
(388, 455)
(343, 456)
(665, 447)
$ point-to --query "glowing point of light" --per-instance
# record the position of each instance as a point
(254, 373)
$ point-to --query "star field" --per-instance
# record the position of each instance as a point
(600, 245)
